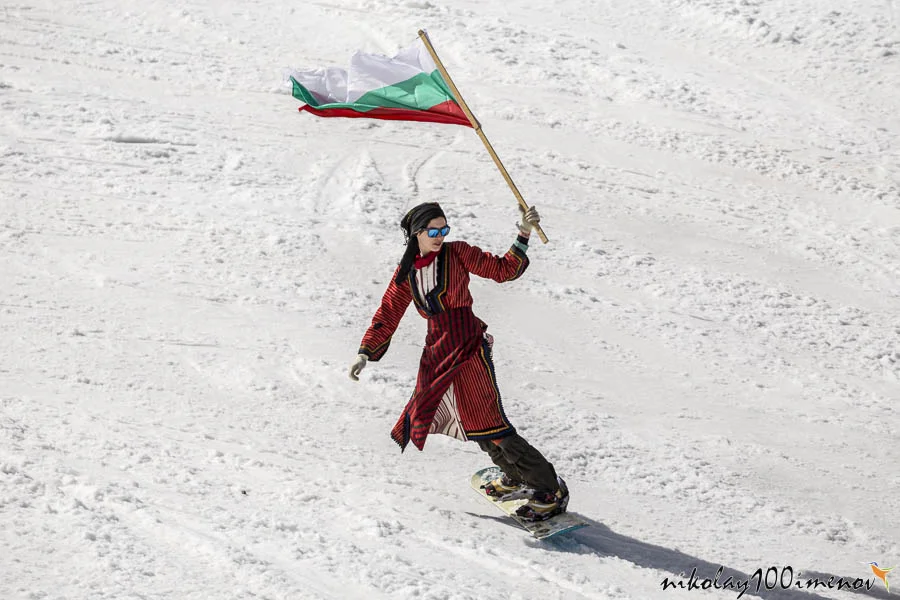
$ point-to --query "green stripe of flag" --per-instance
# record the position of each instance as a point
(420, 92)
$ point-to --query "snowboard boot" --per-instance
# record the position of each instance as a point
(542, 505)
(502, 486)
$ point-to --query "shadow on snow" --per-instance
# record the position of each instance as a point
(600, 540)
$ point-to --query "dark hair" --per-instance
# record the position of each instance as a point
(412, 222)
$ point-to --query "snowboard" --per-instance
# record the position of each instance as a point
(541, 530)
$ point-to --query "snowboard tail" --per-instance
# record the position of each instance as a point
(555, 525)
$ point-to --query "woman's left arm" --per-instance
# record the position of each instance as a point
(504, 268)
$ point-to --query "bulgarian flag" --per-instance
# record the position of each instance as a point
(405, 87)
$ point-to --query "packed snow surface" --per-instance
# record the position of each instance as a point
(708, 349)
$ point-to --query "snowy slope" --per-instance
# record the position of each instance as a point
(708, 349)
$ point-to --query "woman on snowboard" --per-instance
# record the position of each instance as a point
(456, 390)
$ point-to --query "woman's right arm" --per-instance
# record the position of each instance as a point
(394, 303)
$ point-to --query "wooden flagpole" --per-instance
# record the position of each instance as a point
(477, 126)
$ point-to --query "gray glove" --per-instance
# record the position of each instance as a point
(529, 219)
(358, 366)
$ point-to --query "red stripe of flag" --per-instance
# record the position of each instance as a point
(447, 112)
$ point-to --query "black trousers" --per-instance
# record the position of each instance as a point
(522, 462)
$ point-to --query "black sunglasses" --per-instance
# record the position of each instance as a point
(433, 232)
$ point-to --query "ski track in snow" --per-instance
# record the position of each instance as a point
(708, 349)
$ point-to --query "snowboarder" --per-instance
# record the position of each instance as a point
(456, 391)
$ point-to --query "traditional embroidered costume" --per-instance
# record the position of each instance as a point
(456, 391)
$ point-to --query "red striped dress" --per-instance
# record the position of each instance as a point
(456, 390)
